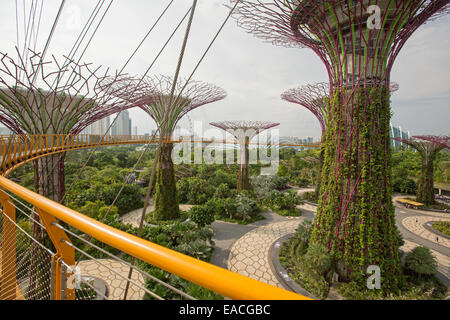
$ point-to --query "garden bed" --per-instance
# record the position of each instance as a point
(443, 227)
(312, 269)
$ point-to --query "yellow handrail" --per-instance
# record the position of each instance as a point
(209, 276)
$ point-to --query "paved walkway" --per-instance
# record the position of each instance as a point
(115, 280)
(245, 248)
(416, 224)
(249, 254)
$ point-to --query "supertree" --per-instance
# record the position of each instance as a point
(53, 97)
(244, 131)
(314, 97)
(428, 151)
(358, 42)
(441, 140)
(167, 104)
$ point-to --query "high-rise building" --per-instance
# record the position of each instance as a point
(5, 131)
(397, 132)
(98, 127)
(122, 126)
(135, 130)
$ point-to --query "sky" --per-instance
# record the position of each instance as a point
(253, 73)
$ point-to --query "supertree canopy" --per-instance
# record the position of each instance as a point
(53, 97)
(428, 151)
(441, 140)
(315, 98)
(244, 131)
(167, 103)
(358, 42)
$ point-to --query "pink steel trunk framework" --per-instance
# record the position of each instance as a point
(53, 97)
(154, 96)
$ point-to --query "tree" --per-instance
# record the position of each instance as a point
(167, 102)
(355, 218)
(60, 107)
(244, 131)
(428, 152)
(421, 261)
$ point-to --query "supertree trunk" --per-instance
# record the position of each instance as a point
(355, 218)
(428, 147)
(167, 102)
(244, 131)
(425, 188)
(243, 179)
(49, 176)
(166, 199)
(319, 172)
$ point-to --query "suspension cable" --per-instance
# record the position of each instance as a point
(90, 244)
(110, 269)
(48, 40)
(162, 134)
(148, 69)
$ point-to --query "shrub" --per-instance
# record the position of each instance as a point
(222, 191)
(404, 185)
(262, 185)
(301, 182)
(186, 238)
(421, 261)
(283, 202)
(304, 231)
(303, 270)
(221, 177)
(223, 208)
(318, 257)
(442, 226)
(183, 188)
(309, 196)
(202, 215)
(194, 190)
(246, 208)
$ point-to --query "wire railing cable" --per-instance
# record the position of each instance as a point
(181, 293)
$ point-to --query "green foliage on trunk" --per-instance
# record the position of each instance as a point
(425, 188)
(355, 218)
(166, 200)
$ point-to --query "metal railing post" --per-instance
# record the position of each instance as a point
(63, 251)
(8, 268)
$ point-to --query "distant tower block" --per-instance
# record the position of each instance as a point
(358, 42)
(52, 98)
(152, 94)
(244, 131)
(428, 149)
